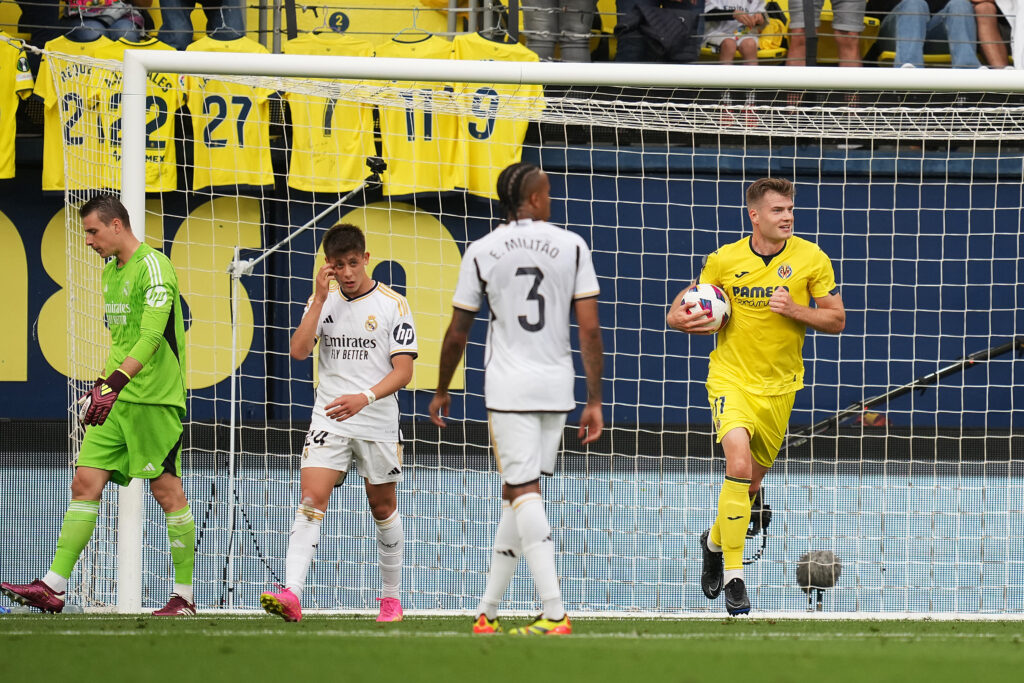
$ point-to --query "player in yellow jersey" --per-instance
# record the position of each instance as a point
(757, 368)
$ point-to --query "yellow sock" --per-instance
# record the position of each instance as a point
(733, 519)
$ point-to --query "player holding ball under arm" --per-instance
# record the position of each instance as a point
(757, 368)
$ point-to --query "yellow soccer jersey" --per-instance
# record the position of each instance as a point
(331, 138)
(491, 143)
(759, 350)
(15, 83)
(81, 134)
(230, 125)
(163, 99)
(420, 145)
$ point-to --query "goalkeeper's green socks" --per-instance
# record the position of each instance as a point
(79, 523)
(181, 536)
(733, 519)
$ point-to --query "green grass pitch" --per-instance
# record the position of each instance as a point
(344, 648)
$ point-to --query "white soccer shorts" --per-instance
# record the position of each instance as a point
(379, 462)
(525, 445)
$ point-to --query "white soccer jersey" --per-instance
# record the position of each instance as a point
(530, 271)
(358, 338)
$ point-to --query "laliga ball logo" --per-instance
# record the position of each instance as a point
(371, 323)
(711, 302)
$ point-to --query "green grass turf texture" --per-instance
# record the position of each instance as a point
(83, 648)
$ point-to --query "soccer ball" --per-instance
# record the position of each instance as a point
(711, 302)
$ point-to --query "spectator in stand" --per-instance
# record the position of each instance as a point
(914, 27)
(87, 20)
(734, 25)
(565, 23)
(993, 33)
(847, 22)
(659, 30)
(225, 20)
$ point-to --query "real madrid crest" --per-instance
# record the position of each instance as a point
(371, 323)
(785, 270)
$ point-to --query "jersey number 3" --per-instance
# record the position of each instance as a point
(533, 295)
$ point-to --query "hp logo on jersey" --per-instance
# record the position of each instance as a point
(157, 297)
(404, 334)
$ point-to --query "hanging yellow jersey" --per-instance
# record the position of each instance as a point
(759, 350)
(72, 123)
(492, 133)
(15, 84)
(420, 143)
(331, 137)
(163, 99)
(230, 125)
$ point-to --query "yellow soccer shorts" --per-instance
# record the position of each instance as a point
(137, 441)
(764, 417)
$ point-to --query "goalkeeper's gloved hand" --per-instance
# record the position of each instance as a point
(760, 514)
(85, 402)
(100, 400)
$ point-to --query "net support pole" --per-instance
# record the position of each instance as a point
(130, 509)
(233, 427)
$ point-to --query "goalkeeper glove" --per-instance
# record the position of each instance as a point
(83, 404)
(760, 514)
(100, 400)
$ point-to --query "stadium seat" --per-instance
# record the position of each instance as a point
(890, 55)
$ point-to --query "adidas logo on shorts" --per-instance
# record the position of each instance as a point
(177, 544)
(395, 471)
(149, 467)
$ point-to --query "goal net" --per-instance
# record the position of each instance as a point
(911, 186)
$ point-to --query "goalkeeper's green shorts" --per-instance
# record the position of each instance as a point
(764, 417)
(137, 441)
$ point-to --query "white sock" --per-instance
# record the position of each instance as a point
(539, 548)
(302, 545)
(56, 582)
(505, 554)
(731, 574)
(184, 590)
(390, 548)
(712, 546)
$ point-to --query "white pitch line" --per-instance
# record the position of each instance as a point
(631, 635)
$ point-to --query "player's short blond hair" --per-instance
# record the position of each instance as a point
(759, 188)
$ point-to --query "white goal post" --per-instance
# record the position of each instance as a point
(857, 492)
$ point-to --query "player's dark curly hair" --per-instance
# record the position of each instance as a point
(107, 207)
(510, 186)
(343, 238)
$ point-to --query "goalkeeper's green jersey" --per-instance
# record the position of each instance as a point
(759, 350)
(143, 313)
